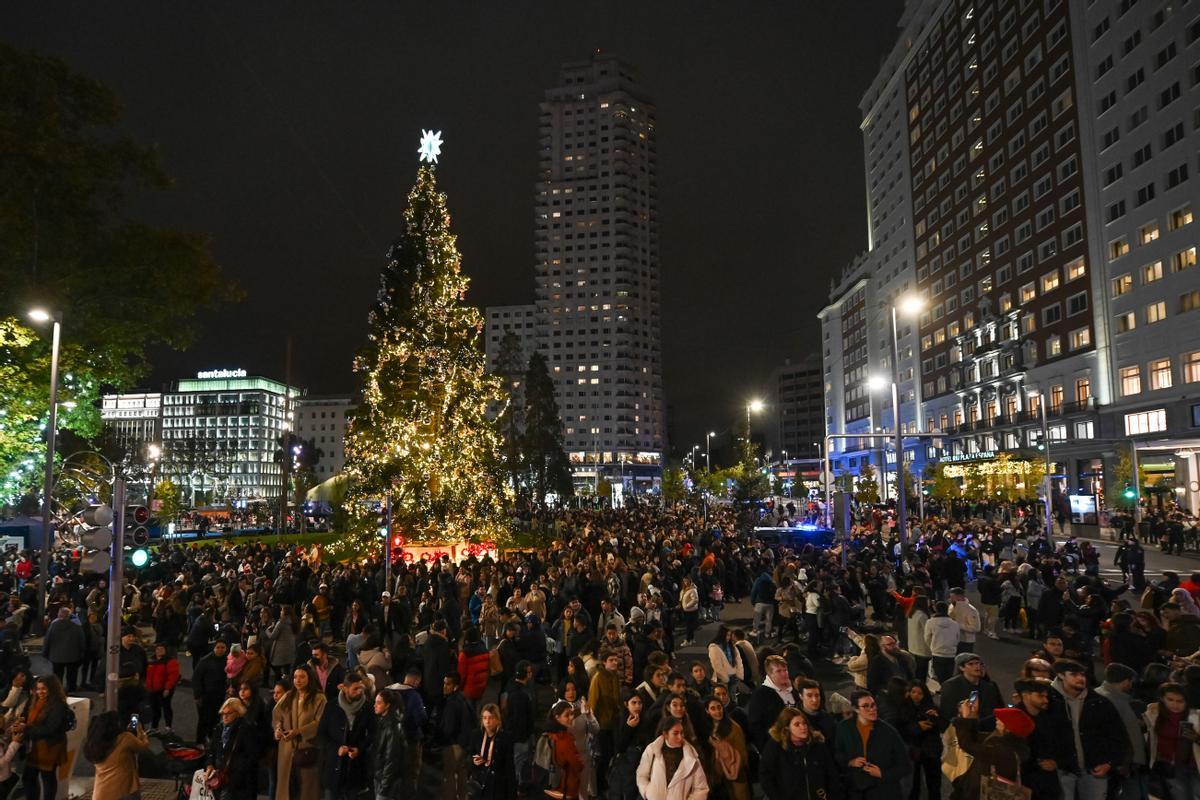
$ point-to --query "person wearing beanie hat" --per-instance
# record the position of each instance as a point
(1015, 721)
(1001, 752)
(971, 677)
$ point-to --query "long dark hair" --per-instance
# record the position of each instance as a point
(102, 736)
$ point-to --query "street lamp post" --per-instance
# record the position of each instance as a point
(41, 315)
(708, 450)
(878, 383)
(753, 407)
(1046, 479)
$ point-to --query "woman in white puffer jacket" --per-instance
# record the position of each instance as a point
(670, 768)
(726, 658)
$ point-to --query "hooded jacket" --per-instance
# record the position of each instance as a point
(941, 636)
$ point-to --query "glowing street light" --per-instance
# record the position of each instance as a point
(41, 315)
(910, 304)
(753, 407)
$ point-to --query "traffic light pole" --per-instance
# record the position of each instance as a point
(116, 570)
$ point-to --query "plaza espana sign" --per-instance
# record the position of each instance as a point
(983, 455)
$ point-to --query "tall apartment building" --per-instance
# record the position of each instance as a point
(597, 272)
(1138, 79)
(856, 325)
(321, 419)
(1047, 146)
(520, 319)
(798, 409)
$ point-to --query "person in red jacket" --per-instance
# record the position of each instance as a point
(566, 754)
(162, 675)
(473, 665)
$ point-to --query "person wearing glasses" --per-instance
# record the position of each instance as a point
(871, 753)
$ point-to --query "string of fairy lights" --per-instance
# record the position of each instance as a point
(422, 434)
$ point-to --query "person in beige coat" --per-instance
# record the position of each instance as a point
(295, 720)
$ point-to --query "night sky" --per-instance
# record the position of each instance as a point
(291, 130)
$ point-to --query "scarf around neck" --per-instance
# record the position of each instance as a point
(351, 708)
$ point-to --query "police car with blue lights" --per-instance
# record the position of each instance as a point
(795, 537)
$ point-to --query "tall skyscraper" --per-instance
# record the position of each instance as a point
(597, 266)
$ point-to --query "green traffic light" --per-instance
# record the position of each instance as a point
(1129, 494)
(140, 557)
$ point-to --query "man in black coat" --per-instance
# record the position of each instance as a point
(208, 689)
(819, 719)
(648, 642)
(458, 721)
(971, 677)
(345, 734)
(199, 636)
(131, 660)
(329, 670)
(989, 602)
(891, 662)
(65, 648)
(1090, 736)
(437, 661)
(520, 712)
(769, 699)
(1040, 772)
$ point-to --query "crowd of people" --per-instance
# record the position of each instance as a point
(571, 671)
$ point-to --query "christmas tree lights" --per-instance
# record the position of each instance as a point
(422, 434)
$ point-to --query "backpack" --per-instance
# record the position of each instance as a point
(495, 663)
(546, 771)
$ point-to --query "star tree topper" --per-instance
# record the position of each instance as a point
(431, 146)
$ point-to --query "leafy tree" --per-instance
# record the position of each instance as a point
(673, 488)
(944, 487)
(69, 244)
(166, 492)
(1121, 477)
(974, 483)
(305, 457)
(542, 442)
(910, 485)
(866, 488)
(750, 484)
(511, 366)
(422, 433)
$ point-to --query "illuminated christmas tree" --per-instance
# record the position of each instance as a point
(422, 434)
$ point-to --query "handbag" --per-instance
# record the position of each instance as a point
(305, 757)
(219, 777)
(955, 760)
(993, 787)
(216, 781)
